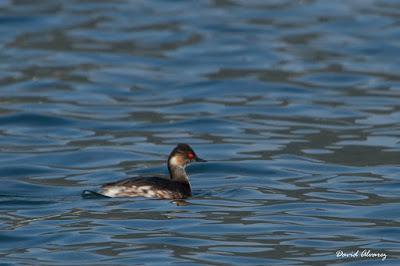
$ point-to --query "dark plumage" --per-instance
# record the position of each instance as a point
(150, 187)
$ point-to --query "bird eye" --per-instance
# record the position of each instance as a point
(190, 155)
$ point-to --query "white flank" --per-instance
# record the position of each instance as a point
(112, 191)
(146, 191)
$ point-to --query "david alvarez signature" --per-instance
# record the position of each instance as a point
(366, 253)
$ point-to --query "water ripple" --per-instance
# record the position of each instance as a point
(293, 103)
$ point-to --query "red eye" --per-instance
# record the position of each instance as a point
(190, 155)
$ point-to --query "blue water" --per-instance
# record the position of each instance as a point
(296, 105)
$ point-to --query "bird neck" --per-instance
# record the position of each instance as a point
(178, 173)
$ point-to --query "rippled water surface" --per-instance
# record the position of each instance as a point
(296, 105)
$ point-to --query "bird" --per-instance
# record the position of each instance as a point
(176, 187)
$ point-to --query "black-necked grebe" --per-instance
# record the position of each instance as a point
(176, 187)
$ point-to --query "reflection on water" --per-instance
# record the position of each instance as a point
(294, 103)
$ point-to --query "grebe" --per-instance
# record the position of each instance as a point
(176, 187)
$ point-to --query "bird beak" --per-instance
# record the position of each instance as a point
(200, 160)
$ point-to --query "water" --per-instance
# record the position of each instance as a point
(294, 103)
